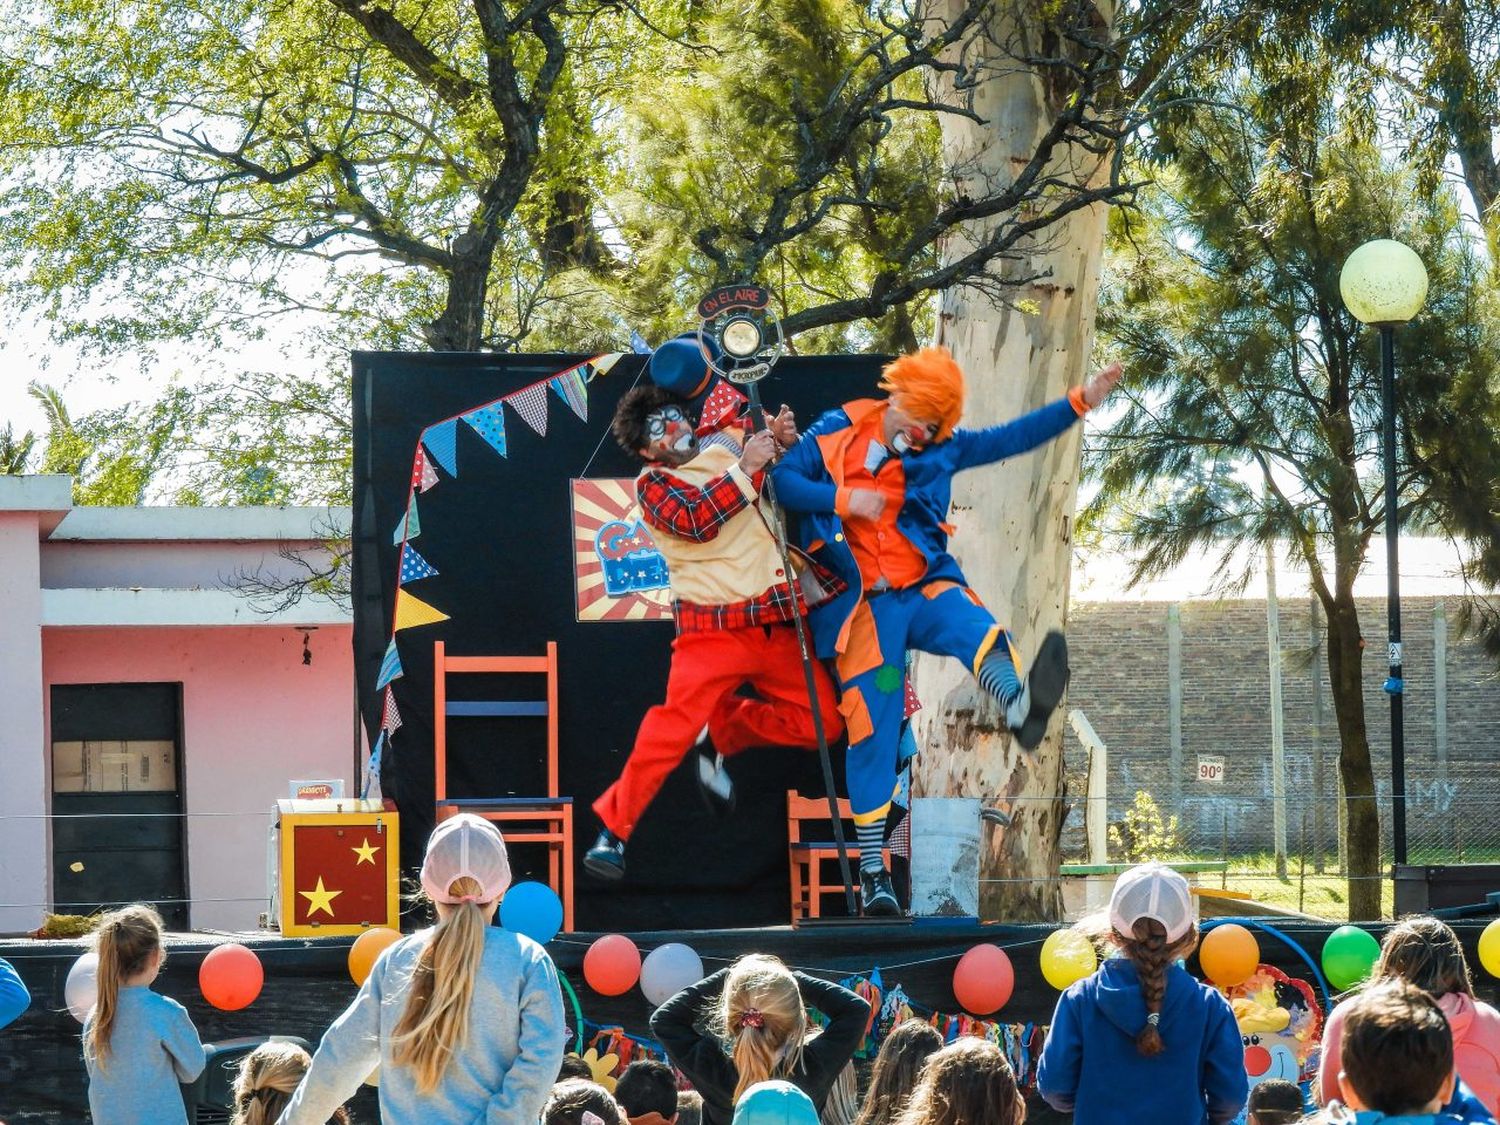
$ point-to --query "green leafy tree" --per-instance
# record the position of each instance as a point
(1144, 834)
(1254, 409)
(15, 451)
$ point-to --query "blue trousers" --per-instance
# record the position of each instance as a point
(939, 617)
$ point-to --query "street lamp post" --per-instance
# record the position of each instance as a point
(1384, 283)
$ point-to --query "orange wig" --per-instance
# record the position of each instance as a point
(930, 386)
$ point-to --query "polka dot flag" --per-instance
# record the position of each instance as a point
(414, 566)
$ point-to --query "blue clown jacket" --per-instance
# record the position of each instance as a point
(809, 477)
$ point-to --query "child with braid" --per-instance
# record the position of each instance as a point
(1141, 1023)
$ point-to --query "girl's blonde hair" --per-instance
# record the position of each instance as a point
(435, 1022)
(126, 941)
(903, 1054)
(267, 1078)
(1425, 952)
(761, 1015)
(966, 1083)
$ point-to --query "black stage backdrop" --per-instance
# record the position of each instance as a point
(500, 537)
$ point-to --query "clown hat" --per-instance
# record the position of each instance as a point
(679, 365)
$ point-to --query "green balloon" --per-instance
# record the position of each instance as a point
(1348, 956)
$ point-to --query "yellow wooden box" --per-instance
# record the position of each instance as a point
(339, 867)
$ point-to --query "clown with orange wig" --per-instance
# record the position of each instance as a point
(873, 480)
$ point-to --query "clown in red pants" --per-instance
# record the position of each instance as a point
(734, 608)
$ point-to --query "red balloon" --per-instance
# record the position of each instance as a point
(230, 977)
(984, 979)
(612, 965)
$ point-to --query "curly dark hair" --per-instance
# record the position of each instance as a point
(639, 403)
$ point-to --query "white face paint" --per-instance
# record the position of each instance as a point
(901, 443)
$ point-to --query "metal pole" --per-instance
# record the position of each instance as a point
(758, 422)
(1394, 685)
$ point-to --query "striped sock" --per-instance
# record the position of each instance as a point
(871, 839)
(997, 675)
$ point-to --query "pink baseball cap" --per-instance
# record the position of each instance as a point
(1151, 890)
(465, 845)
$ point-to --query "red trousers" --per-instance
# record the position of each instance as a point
(707, 668)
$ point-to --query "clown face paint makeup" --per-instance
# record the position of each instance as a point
(670, 434)
(906, 434)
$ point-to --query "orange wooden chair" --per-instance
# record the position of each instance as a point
(807, 857)
(545, 819)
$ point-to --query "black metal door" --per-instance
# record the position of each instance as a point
(117, 830)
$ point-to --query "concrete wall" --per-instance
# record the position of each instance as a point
(254, 716)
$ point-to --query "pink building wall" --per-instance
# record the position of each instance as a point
(254, 717)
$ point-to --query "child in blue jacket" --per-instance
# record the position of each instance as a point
(14, 999)
(1142, 1024)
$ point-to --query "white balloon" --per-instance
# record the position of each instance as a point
(82, 987)
(668, 969)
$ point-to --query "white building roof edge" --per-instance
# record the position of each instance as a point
(165, 524)
(119, 608)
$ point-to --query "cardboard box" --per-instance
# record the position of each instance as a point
(141, 766)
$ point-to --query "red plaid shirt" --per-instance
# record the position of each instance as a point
(671, 505)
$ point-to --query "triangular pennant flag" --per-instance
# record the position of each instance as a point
(411, 612)
(531, 405)
(441, 442)
(411, 524)
(569, 386)
(425, 476)
(372, 774)
(391, 719)
(603, 363)
(489, 423)
(638, 343)
(390, 666)
(414, 566)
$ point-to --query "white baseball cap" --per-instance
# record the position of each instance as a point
(1151, 890)
(465, 845)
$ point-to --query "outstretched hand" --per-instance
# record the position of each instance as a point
(784, 427)
(1101, 382)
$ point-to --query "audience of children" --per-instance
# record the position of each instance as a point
(465, 1020)
(757, 1011)
(578, 1101)
(969, 1082)
(1142, 1023)
(898, 1065)
(647, 1092)
(137, 1045)
(1426, 953)
(267, 1078)
(1275, 1102)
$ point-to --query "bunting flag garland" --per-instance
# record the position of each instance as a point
(390, 666)
(391, 719)
(489, 423)
(442, 443)
(570, 388)
(414, 566)
(638, 343)
(411, 612)
(372, 774)
(411, 524)
(531, 405)
(601, 366)
(422, 475)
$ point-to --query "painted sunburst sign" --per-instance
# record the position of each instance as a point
(619, 573)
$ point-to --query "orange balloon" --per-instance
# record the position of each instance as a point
(984, 979)
(612, 965)
(230, 977)
(1229, 955)
(367, 949)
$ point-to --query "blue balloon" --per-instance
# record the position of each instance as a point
(532, 909)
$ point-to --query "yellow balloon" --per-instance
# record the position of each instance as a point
(367, 949)
(1489, 948)
(1067, 956)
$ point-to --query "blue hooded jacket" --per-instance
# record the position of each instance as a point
(809, 477)
(1090, 1065)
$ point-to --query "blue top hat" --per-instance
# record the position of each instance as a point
(775, 1103)
(678, 366)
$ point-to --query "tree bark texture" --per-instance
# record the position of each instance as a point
(1362, 814)
(1013, 520)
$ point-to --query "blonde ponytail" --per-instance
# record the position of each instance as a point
(435, 1021)
(761, 1015)
(125, 941)
(268, 1077)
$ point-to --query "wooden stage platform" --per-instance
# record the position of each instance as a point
(307, 984)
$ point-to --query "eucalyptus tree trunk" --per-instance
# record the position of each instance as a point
(1014, 520)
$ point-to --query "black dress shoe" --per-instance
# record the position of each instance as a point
(714, 783)
(1045, 684)
(876, 895)
(606, 859)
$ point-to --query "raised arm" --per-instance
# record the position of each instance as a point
(848, 1014)
(701, 1057)
(995, 443)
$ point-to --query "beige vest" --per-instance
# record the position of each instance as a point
(736, 565)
